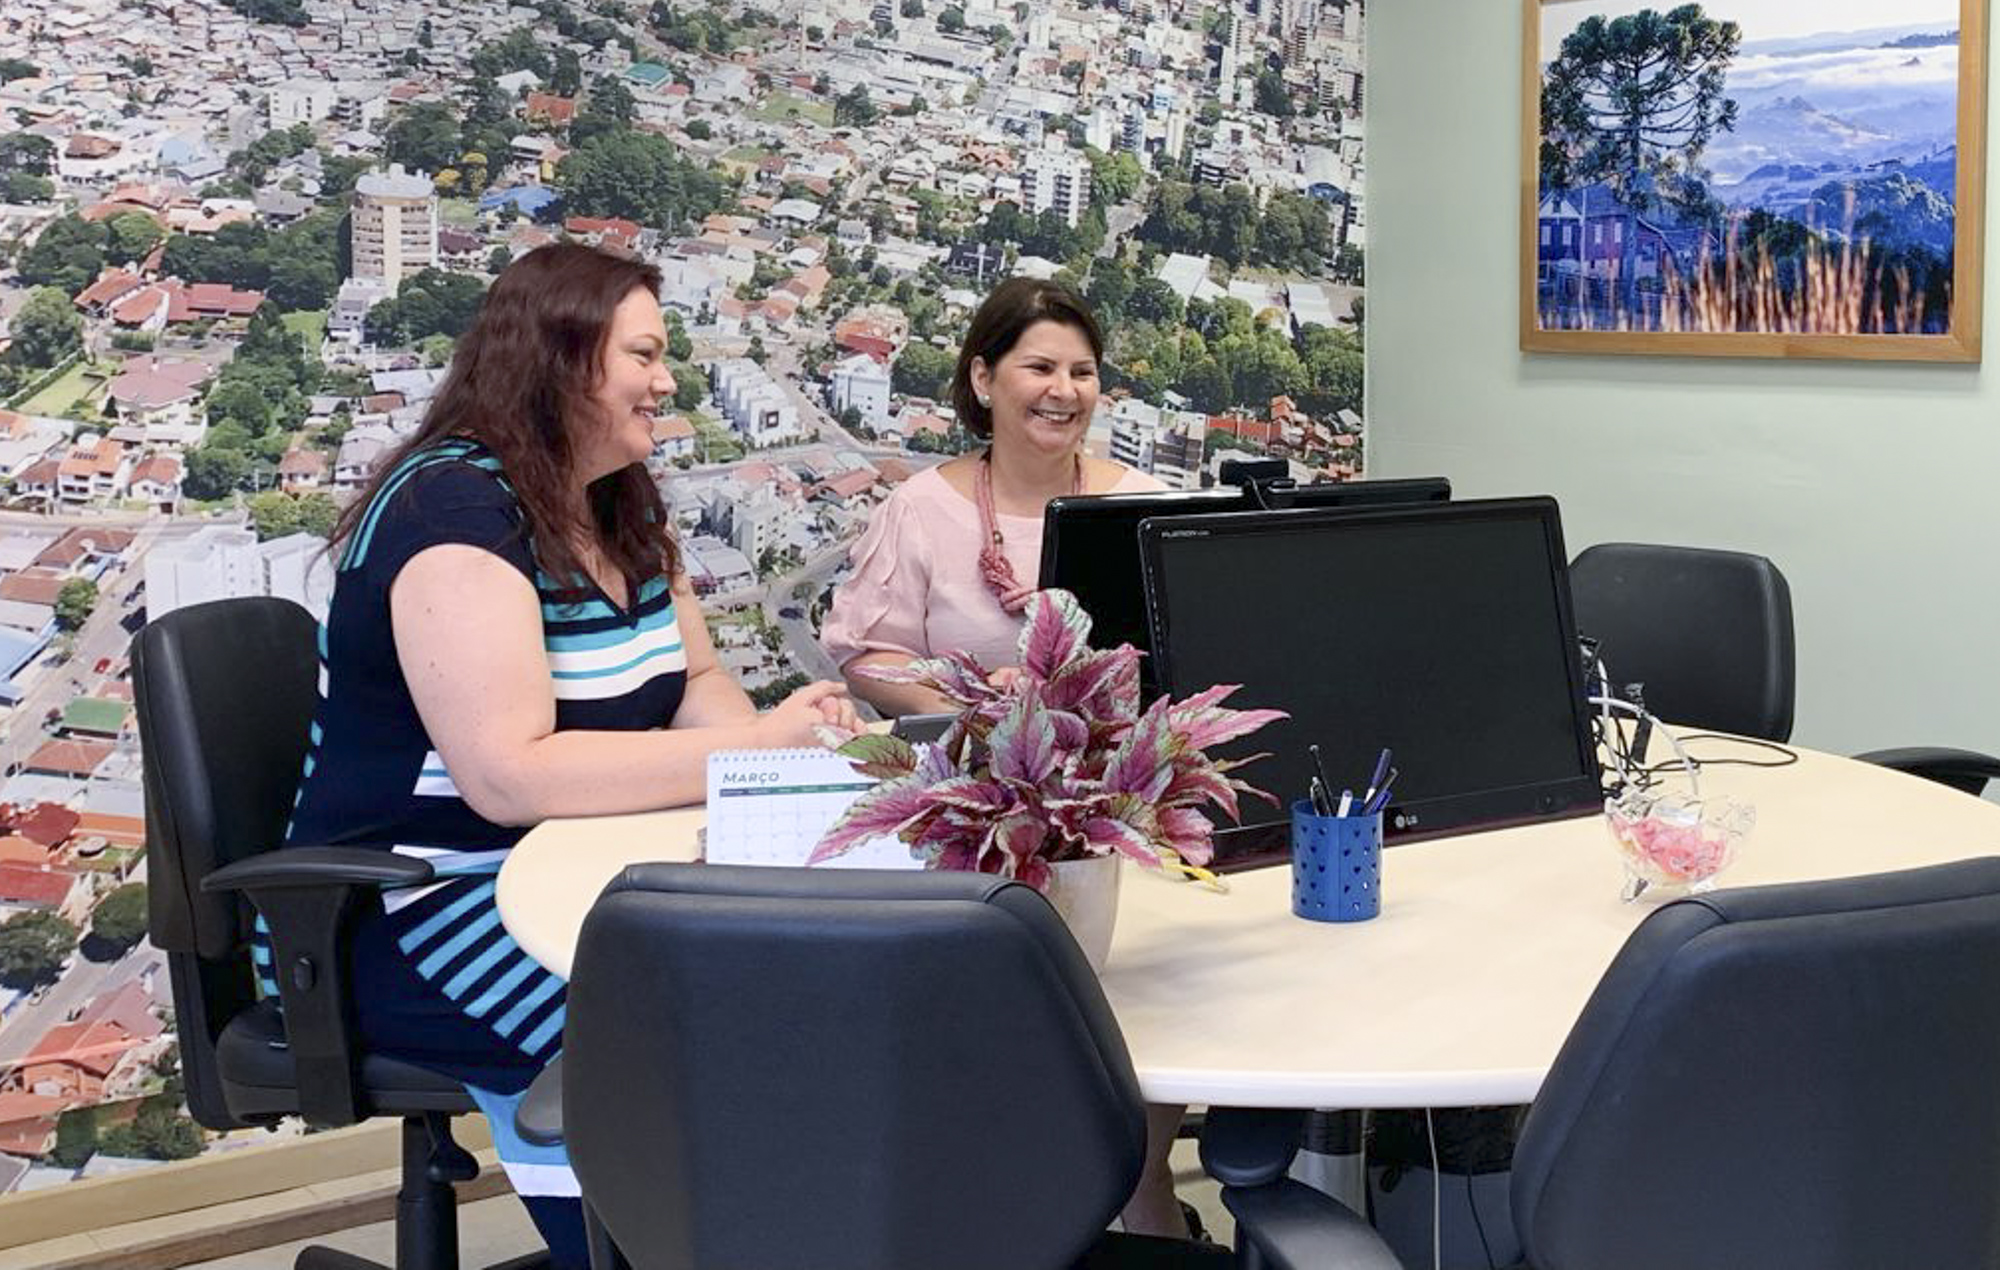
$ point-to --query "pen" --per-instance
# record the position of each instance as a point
(1346, 802)
(1375, 781)
(1319, 774)
(1321, 801)
(1381, 797)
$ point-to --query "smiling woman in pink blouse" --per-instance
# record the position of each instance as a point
(951, 557)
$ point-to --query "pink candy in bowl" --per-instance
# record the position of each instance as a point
(1669, 839)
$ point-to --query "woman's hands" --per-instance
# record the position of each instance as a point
(791, 721)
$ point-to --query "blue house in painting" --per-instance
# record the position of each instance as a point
(1583, 231)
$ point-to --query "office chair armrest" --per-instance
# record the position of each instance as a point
(538, 1117)
(295, 867)
(1294, 1227)
(1964, 770)
(309, 898)
(1249, 1146)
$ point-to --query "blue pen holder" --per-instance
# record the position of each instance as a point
(1336, 865)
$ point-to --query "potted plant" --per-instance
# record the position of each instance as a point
(1051, 770)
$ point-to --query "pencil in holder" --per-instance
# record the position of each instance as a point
(1336, 865)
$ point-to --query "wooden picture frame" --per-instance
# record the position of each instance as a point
(1695, 272)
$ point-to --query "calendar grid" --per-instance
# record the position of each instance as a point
(771, 807)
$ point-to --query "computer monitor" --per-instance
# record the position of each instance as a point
(1442, 631)
(1090, 542)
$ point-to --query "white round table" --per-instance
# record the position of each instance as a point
(1459, 993)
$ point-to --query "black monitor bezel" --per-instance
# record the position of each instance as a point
(1223, 500)
(1330, 495)
(1079, 508)
(1136, 506)
(1266, 841)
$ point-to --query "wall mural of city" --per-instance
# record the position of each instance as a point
(238, 239)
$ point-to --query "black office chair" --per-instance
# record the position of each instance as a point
(225, 695)
(1796, 1075)
(1709, 633)
(1964, 770)
(850, 1070)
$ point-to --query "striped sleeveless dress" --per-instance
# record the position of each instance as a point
(438, 981)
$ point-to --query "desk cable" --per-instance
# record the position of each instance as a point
(1629, 767)
(1437, 1194)
(1472, 1203)
(1437, 1202)
(1786, 756)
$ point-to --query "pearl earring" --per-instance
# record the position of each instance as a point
(984, 401)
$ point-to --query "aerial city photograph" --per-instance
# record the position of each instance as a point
(239, 239)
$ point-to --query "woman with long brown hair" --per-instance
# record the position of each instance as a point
(511, 637)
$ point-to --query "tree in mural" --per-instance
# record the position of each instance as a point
(74, 602)
(1631, 103)
(33, 947)
(119, 920)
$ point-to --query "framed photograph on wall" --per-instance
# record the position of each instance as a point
(1753, 178)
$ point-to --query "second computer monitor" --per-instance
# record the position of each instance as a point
(1090, 543)
(1441, 632)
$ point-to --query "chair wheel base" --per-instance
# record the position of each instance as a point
(317, 1258)
(333, 1259)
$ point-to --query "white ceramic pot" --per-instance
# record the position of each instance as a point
(1085, 892)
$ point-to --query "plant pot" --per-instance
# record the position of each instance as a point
(1085, 893)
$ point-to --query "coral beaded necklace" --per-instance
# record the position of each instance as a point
(993, 565)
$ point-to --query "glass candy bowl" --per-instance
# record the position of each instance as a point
(1675, 840)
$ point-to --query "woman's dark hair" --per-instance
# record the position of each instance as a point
(530, 362)
(1009, 309)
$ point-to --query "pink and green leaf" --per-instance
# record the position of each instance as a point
(1193, 786)
(1105, 834)
(1020, 835)
(1072, 733)
(1201, 722)
(1091, 677)
(1024, 745)
(882, 812)
(880, 755)
(1142, 764)
(1056, 632)
(972, 794)
(1189, 834)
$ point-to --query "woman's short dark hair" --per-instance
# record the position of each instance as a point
(518, 376)
(1009, 309)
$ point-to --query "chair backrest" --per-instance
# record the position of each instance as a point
(1709, 633)
(224, 693)
(1799, 1075)
(845, 1069)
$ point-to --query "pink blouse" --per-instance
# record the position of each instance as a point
(916, 585)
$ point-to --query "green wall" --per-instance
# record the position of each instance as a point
(1875, 487)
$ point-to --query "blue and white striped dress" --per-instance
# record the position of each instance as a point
(439, 981)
